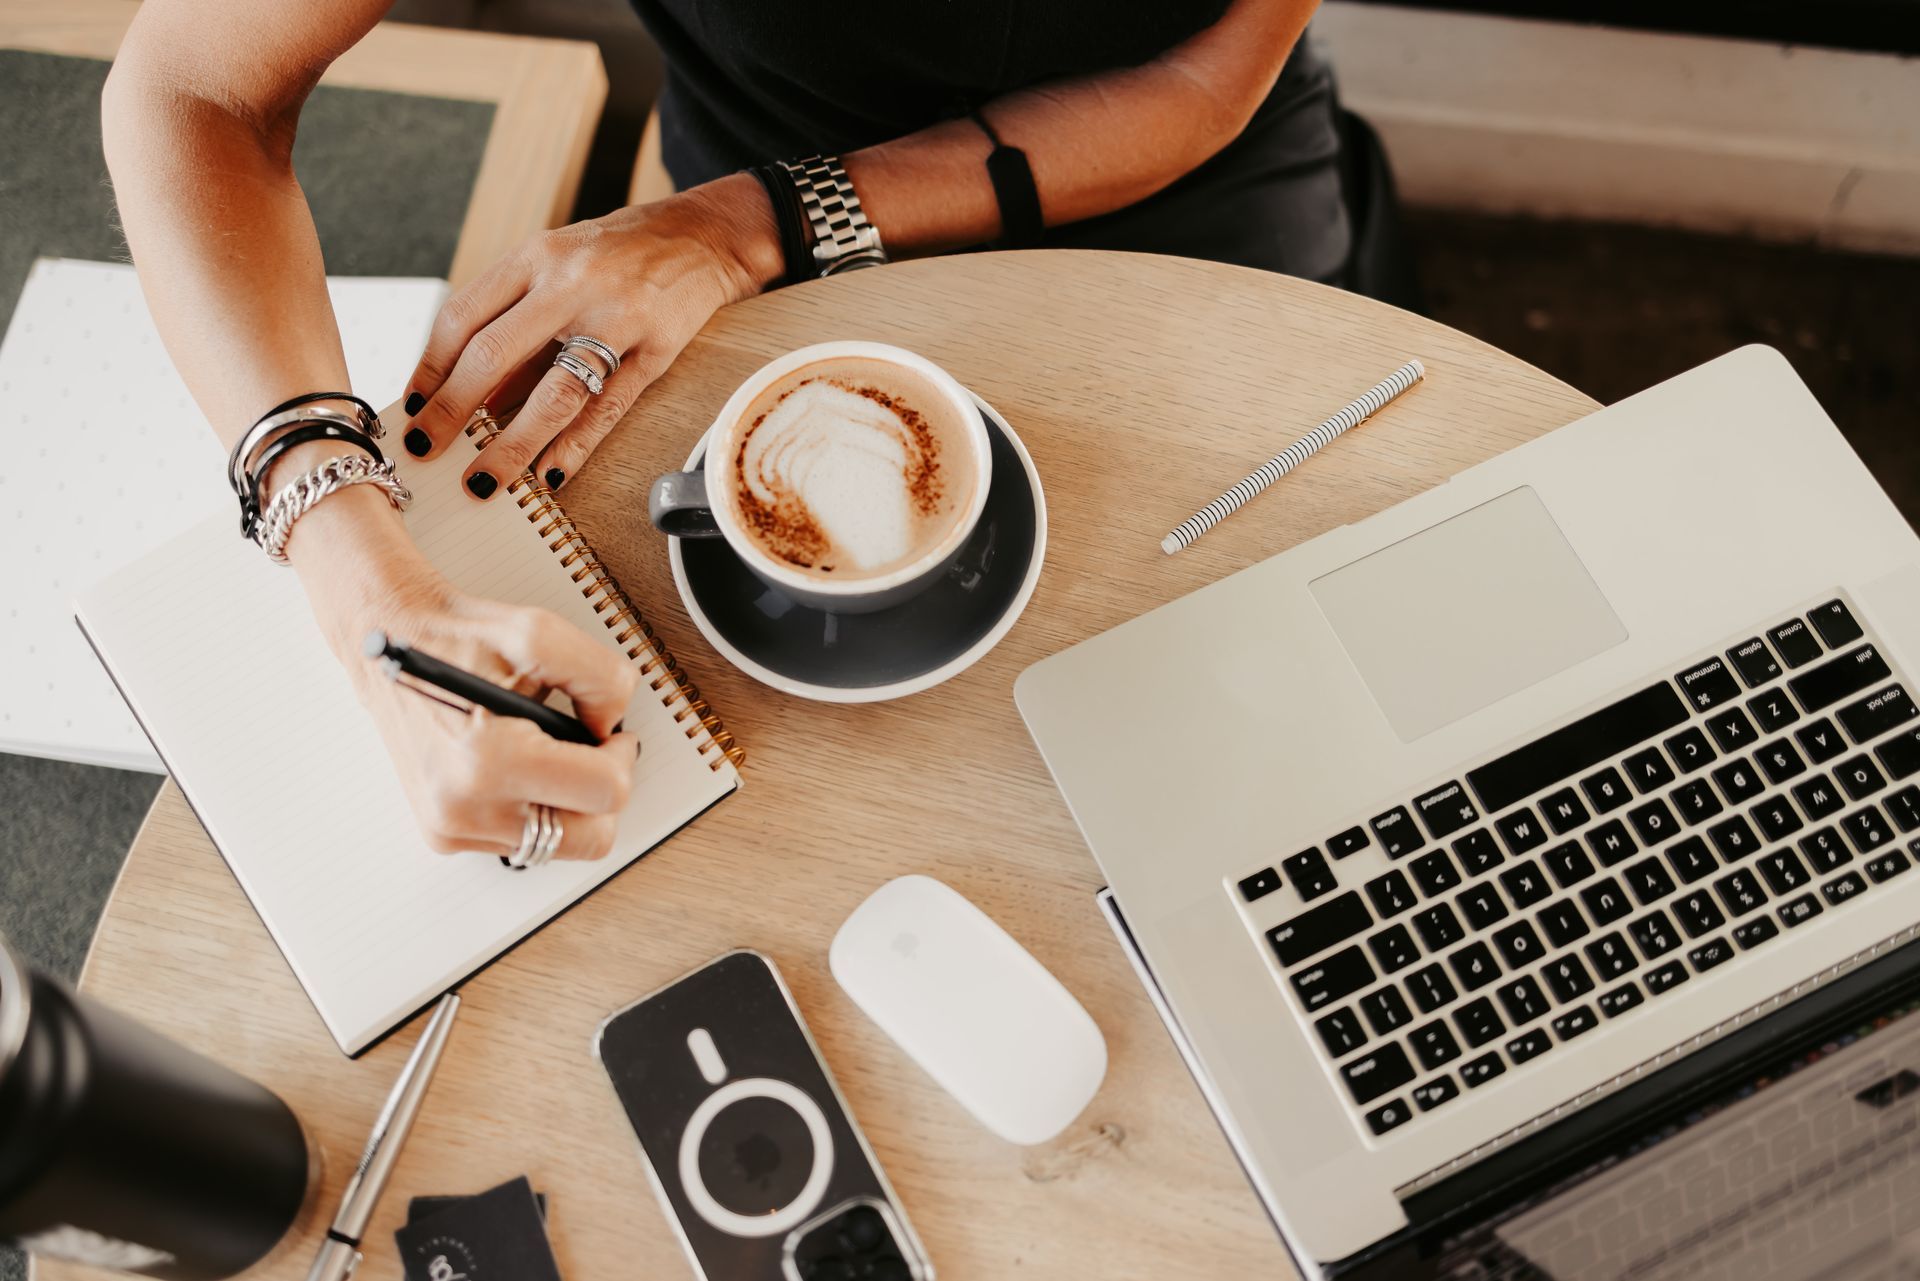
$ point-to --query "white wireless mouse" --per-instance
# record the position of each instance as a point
(972, 1007)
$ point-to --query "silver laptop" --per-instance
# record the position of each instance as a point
(1474, 848)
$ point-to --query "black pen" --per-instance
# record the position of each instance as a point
(396, 658)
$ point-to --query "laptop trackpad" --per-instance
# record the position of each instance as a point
(1480, 606)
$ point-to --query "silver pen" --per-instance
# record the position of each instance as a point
(340, 1252)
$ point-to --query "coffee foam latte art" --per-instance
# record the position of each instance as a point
(838, 476)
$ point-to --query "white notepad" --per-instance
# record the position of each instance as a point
(219, 658)
(108, 454)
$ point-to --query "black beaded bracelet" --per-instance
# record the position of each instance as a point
(795, 249)
(250, 504)
(1014, 191)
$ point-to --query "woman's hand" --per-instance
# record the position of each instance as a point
(643, 280)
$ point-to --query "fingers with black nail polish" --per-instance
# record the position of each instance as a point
(418, 442)
(482, 484)
(555, 478)
(415, 403)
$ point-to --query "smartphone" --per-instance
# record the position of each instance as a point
(746, 1138)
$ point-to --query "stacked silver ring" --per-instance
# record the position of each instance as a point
(608, 356)
(569, 360)
(539, 838)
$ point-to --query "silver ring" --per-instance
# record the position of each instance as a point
(539, 838)
(582, 370)
(608, 356)
(550, 839)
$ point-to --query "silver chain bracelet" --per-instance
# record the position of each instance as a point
(299, 497)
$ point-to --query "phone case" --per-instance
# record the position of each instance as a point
(746, 1137)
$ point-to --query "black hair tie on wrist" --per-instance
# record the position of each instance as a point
(1013, 190)
(791, 221)
(369, 420)
(250, 504)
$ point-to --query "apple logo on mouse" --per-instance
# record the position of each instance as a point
(906, 944)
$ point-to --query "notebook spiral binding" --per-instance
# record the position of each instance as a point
(631, 632)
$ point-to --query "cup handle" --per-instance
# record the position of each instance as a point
(677, 505)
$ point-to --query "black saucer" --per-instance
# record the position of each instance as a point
(857, 658)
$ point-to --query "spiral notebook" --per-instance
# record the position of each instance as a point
(217, 655)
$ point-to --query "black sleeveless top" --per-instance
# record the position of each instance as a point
(750, 81)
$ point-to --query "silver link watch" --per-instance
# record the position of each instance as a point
(843, 239)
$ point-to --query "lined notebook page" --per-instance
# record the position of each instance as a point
(219, 657)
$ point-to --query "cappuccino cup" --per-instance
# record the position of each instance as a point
(847, 475)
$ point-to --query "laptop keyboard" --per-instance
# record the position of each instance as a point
(1573, 880)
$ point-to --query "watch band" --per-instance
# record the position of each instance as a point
(843, 239)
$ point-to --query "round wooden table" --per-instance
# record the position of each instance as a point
(1143, 386)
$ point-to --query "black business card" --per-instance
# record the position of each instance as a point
(496, 1236)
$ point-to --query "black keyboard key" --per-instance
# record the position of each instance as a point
(1391, 895)
(1654, 934)
(1478, 852)
(1478, 1022)
(1859, 777)
(1697, 913)
(1396, 832)
(1821, 741)
(1691, 859)
(1901, 753)
(1842, 888)
(1878, 712)
(1739, 781)
(1563, 810)
(1740, 891)
(1777, 819)
(1618, 1001)
(1379, 1071)
(1690, 750)
(1883, 867)
(1445, 810)
(1431, 988)
(1904, 806)
(1668, 976)
(1439, 927)
(1606, 901)
(1835, 623)
(1319, 928)
(1649, 770)
(1521, 830)
(1610, 842)
(1432, 1094)
(1653, 822)
(1340, 975)
(1390, 1115)
(1611, 957)
(1772, 711)
(1754, 661)
(1523, 999)
(1794, 639)
(1386, 1009)
(1732, 730)
(1754, 933)
(1433, 1044)
(1435, 873)
(1309, 873)
(1696, 801)
(1568, 863)
(1779, 761)
(1818, 797)
(1482, 905)
(1606, 791)
(1578, 747)
(1867, 829)
(1519, 945)
(1526, 884)
(1341, 1032)
(1580, 1018)
(1825, 850)
(1475, 965)
(1482, 1069)
(1709, 954)
(1568, 978)
(1562, 922)
(1708, 684)
(1348, 843)
(1794, 911)
(1784, 871)
(1529, 1045)
(1734, 838)
(1393, 948)
(1841, 677)
(1649, 881)
(1260, 884)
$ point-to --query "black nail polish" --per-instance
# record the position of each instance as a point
(555, 477)
(415, 403)
(618, 726)
(482, 485)
(418, 443)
